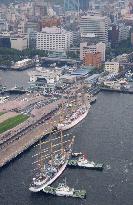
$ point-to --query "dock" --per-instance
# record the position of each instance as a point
(76, 193)
(20, 138)
(117, 91)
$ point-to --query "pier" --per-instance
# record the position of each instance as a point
(13, 142)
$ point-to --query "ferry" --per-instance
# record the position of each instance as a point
(23, 64)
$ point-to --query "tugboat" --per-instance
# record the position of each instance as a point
(64, 190)
(79, 160)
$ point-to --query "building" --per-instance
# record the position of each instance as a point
(21, 27)
(71, 5)
(113, 35)
(31, 27)
(32, 39)
(112, 67)
(92, 79)
(95, 24)
(54, 38)
(76, 5)
(124, 32)
(84, 4)
(93, 59)
(3, 25)
(5, 40)
(19, 42)
(132, 38)
(58, 10)
(50, 22)
(92, 48)
(40, 8)
(121, 58)
(80, 73)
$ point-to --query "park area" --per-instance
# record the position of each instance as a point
(12, 122)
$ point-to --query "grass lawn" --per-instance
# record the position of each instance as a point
(1, 113)
(12, 122)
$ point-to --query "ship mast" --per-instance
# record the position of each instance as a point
(62, 147)
(41, 160)
(51, 150)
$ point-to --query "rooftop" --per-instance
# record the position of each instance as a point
(80, 72)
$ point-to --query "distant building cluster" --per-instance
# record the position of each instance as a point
(83, 27)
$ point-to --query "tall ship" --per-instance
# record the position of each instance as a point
(74, 119)
(79, 109)
(52, 160)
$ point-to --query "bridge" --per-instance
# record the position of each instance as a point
(58, 59)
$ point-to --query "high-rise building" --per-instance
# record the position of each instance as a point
(71, 5)
(75, 5)
(95, 24)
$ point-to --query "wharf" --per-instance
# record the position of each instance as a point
(116, 90)
(14, 149)
(76, 193)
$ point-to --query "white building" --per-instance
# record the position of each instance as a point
(19, 42)
(92, 48)
(54, 38)
(51, 76)
(112, 67)
(95, 24)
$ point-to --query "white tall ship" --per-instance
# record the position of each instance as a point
(51, 161)
(75, 118)
(79, 109)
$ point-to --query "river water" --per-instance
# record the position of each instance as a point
(106, 135)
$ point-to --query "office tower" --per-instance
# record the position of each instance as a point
(96, 25)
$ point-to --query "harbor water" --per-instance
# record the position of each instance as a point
(105, 136)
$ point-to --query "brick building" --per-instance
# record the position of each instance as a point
(93, 59)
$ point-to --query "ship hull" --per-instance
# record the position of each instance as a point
(73, 123)
(37, 189)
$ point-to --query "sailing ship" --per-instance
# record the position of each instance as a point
(52, 160)
(74, 119)
(77, 112)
